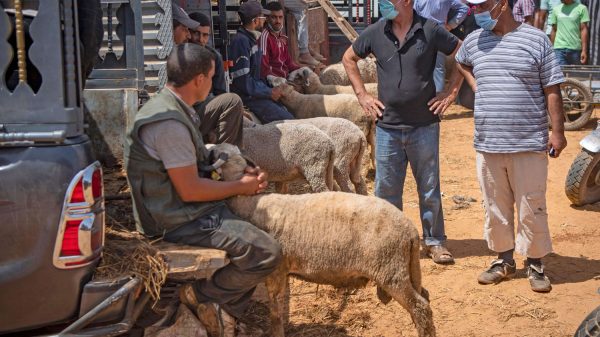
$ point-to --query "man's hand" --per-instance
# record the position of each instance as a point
(558, 142)
(275, 94)
(584, 57)
(441, 102)
(253, 181)
(371, 106)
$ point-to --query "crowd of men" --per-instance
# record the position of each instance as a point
(168, 167)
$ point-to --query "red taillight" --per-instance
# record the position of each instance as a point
(77, 194)
(70, 242)
(97, 183)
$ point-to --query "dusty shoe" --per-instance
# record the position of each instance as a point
(498, 272)
(539, 282)
(216, 320)
(187, 296)
(306, 58)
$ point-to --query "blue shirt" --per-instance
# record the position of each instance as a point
(438, 10)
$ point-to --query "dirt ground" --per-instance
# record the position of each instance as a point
(460, 305)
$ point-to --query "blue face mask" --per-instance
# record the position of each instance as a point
(388, 10)
(485, 21)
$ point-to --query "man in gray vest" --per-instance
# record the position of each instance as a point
(174, 201)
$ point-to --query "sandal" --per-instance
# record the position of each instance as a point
(440, 254)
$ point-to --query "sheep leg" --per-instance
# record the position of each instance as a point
(416, 305)
(277, 288)
(356, 170)
(371, 141)
(342, 179)
(319, 177)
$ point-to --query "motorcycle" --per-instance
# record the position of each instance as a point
(583, 180)
(590, 327)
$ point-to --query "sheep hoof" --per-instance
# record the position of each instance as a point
(383, 296)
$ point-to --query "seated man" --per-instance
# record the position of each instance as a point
(221, 113)
(245, 74)
(273, 44)
(182, 24)
(173, 200)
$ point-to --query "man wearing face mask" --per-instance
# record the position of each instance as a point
(407, 109)
(245, 73)
(276, 59)
(515, 75)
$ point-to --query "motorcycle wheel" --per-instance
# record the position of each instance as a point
(577, 106)
(590, 327)
(583, 180)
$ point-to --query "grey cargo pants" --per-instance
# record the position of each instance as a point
(221, 119)
(252, 253)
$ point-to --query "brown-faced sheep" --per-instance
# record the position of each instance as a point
(336, 238)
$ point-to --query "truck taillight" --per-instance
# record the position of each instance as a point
(81, 232)
(70, 242)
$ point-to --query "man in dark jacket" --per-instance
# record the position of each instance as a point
(245, 74)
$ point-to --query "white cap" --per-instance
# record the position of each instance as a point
(476, 2)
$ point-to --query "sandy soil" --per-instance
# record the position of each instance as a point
(461, 306)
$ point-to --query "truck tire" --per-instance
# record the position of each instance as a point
(583, 180)
(590, 327)
(576, 114)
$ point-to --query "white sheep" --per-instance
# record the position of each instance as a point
(350, 145)
(336, 238)
(341, 105)
(336, 73)
(291, 151)
(311, 84)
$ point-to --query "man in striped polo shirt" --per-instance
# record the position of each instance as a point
(514, 73)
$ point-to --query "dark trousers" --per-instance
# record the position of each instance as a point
(221, 119)
(268, 110)
(253, 255)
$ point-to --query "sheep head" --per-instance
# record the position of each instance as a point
(230, 160)
(275, 81)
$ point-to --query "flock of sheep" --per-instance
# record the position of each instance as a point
(335, 238)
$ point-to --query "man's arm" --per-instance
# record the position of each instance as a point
(555, 111)
(441, 102)
(584, 42)
(529, 12)
(553, 33)
(541, 19)
(467, 73)
(191, 188)
(461, 11)
(265, 64)
(371, 106)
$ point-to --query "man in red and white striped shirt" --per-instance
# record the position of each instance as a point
(273, 43)
(524, 11)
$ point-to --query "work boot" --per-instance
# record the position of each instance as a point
(211, 315)
(539, 282)
(499, 271)
(306, 58)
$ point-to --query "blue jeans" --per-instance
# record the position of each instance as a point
(568, 56)
(268, 110)
(439, 73)
(394, 149)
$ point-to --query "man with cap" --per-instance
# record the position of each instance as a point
(245, 73)
(407, 109)
(221, 113)
(513, 70)
(182, 24)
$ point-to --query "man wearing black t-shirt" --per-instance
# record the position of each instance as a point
(407, 109)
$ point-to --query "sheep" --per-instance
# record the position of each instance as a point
(336, 73)
(340, 105)
(350, 145)
(291, 151)
(311, 84)
(336, 238)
